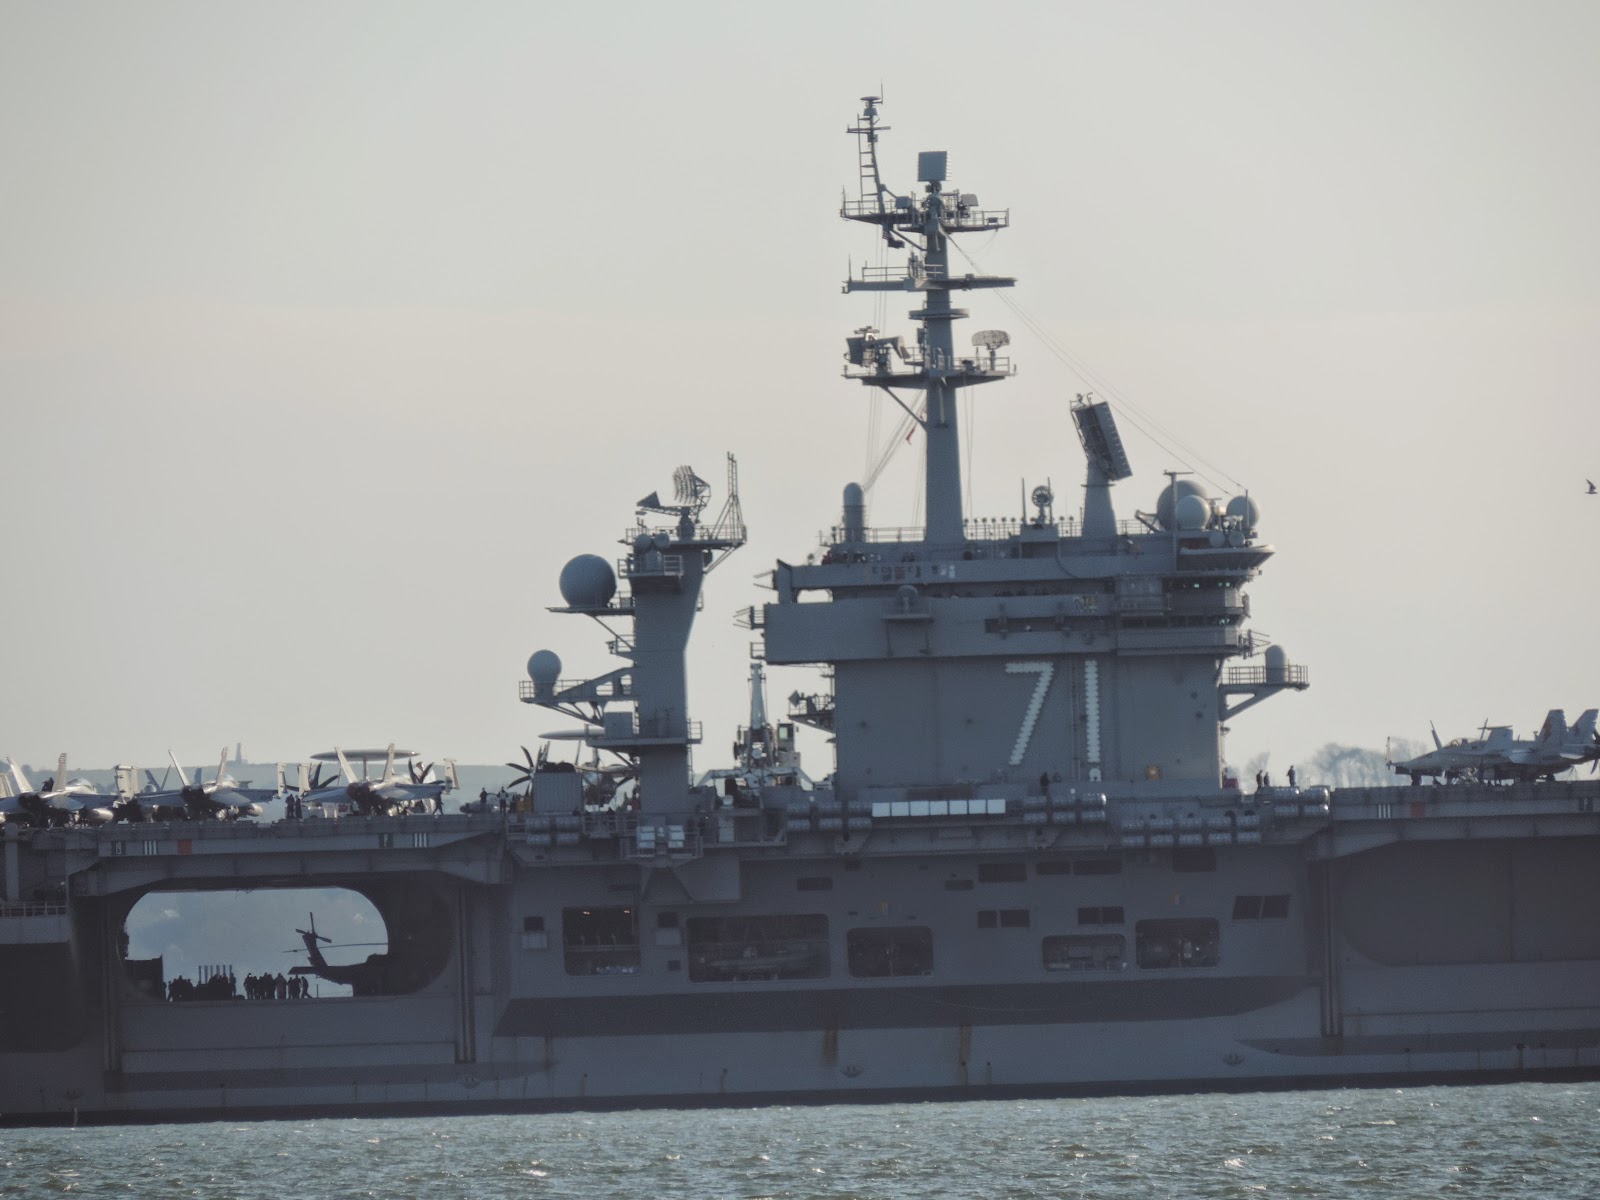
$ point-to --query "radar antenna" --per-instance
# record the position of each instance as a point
(690, 491)
(991, 340)
(1107, 462)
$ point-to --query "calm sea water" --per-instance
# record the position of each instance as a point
(1523, 1140)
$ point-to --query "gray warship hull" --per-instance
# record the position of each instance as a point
(1446, 939)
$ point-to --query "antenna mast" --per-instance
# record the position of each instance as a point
(925, 223)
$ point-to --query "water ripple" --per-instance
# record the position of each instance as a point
(1517, 1140)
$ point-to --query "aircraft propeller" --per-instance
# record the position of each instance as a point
(316, 782)
(418, 774)
(532, 768)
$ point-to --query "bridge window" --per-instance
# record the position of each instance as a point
(907, 950)
(724, 949)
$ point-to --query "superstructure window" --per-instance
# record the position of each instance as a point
(1197, 858)
(1086, 952)
(906, 950)
(1104, 914)
(723, 949)
(1179, 942)
(1004, 918)
(814, 883)
(600, 941)
(1265, 908)
(1003, 872)
(1097, 866)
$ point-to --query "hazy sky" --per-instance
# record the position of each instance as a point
(328, 333)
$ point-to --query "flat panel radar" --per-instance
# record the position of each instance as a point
(931, 166)
(1097, 430)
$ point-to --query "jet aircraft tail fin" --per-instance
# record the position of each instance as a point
(183, 776)
(1583, 730)
(17, 777)
(450, 774)
(344, 765)
(1554, 729)
(222, 766)
(1434, 729)
(388, 766)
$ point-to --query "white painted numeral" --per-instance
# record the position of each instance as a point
(1046, 671)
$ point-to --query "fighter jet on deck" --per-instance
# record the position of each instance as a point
(197, 799)
(59, 801)
(1496, 755)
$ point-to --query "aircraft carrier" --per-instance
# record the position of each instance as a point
(1026, 871)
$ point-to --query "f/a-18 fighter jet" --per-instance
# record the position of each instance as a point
(1497, 755)
(197, 799)
(59, 801)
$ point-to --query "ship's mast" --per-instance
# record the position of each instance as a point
(924, 224)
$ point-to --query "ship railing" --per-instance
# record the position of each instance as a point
(652, 564)
(960, 218)
(753, 617)
(648, 835)
(870, 206)
(909, 274)
(23, 909)
(1402, 800)
(897, 273)
(976, 529)
(1288, 675)
(957, 217)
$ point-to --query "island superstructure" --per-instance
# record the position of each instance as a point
(1026, 871)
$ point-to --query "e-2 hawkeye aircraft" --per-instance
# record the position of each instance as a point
(421, 790)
